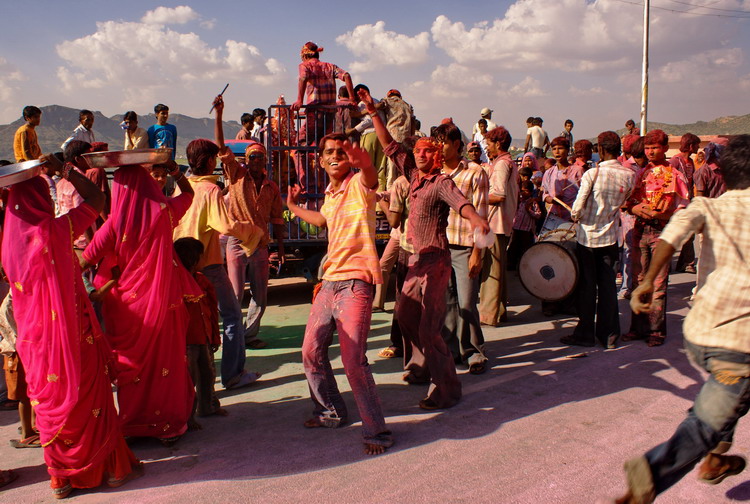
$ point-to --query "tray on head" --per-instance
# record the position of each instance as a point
(18, 172)
(111, 159)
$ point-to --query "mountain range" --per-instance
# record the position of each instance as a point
(58, 123)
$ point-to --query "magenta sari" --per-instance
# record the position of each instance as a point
(145, 318)
(60, 343)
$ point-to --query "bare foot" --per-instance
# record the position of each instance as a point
(192, 425)
(374, 449)
(221, 412)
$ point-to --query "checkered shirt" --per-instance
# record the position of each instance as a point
(321, 81)
(474, 185)
(720, 316)
(597, 205)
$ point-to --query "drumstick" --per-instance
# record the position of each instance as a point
(562, 203)
(220, 94)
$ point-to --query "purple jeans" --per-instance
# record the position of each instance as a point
(254, 270)
(346, 307)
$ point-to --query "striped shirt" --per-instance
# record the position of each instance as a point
(474, 185)
(720, 316)
(597, 207)
(350, 218)
(503, 179)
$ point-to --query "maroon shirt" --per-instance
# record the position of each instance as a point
(430, 198)
(709, 180)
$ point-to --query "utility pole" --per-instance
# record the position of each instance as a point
(644, 83)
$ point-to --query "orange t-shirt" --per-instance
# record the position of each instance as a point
(26, 144)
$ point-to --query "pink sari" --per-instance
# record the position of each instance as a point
(145, 317)
(60, 343)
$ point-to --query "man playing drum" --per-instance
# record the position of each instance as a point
(596, 209)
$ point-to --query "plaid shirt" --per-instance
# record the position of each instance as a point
(474, 185)
(321, 81)
(598, 203)
(720, 316)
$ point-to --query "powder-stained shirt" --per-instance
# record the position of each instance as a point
(720, 316)
(400, 204)
(474, 185)
(709, 180)
(136, 140)
(563, 184)
(503, 179)
(350, 217)
(597, 207)
(321, 81)
(207, 218)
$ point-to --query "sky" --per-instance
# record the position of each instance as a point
(557, 59)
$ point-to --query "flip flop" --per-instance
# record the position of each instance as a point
(389, 353)
(29, 442)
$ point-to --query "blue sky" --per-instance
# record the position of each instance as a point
(556, 59)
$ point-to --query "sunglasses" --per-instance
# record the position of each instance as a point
(256, 156)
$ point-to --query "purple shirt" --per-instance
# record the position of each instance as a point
(709, 180)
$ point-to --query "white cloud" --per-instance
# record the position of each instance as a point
(576, 36)
(707, 64)
(575, 91)
(457, 81)
(163, 59)
(529, 87)
(10, 77)
(375, 47)
(170, 15)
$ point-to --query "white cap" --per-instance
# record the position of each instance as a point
(485, 112)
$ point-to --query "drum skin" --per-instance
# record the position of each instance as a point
(549, 269)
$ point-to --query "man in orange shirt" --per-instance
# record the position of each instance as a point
(344, 302)
(25, 142)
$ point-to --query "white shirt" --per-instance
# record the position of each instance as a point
(537, 137)
(82, 134)
(490, 126)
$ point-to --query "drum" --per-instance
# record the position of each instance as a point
(549, 268)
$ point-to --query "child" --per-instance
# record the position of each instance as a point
(203, 335)
(247, 121)
(25, 142)
(524, 224)
(83, 131)
(161, 134)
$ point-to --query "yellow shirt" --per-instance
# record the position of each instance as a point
(350, 218)
(207, 218)
(26, 144)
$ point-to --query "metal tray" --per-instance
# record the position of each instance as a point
(110, 159)
(15, 173)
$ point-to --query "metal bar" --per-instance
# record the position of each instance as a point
(644, 83)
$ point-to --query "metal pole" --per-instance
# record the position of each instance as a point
(644, 84)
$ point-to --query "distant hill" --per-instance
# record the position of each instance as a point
(59, 122)
(729, 125)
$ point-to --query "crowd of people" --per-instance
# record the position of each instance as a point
(126, 283)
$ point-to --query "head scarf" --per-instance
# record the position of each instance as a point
(309, 49)
(534, 162)
(713, 152)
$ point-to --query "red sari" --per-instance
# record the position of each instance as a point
(60, 343)
(145, 318)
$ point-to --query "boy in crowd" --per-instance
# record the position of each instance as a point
(203, 337)
(25, 142)
(84, 131)
(162, 134)
(245, 131)
(135, 137)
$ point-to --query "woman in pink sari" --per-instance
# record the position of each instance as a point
(60, 343)
(145, 318)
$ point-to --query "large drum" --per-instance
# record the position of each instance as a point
(549, 268)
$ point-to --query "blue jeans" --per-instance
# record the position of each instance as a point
(233, 341)
(254, 270)
(346, 307)
(709, 426)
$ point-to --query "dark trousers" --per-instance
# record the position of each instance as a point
(687, 255)
(596, 294)
(645, 237)
(421, 313)
(402, 266)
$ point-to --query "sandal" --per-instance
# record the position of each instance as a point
(477, 368)
(62, 492)
(655, 339)
(326, 422)
(29, 442)
(7, 477)
(390, 353)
